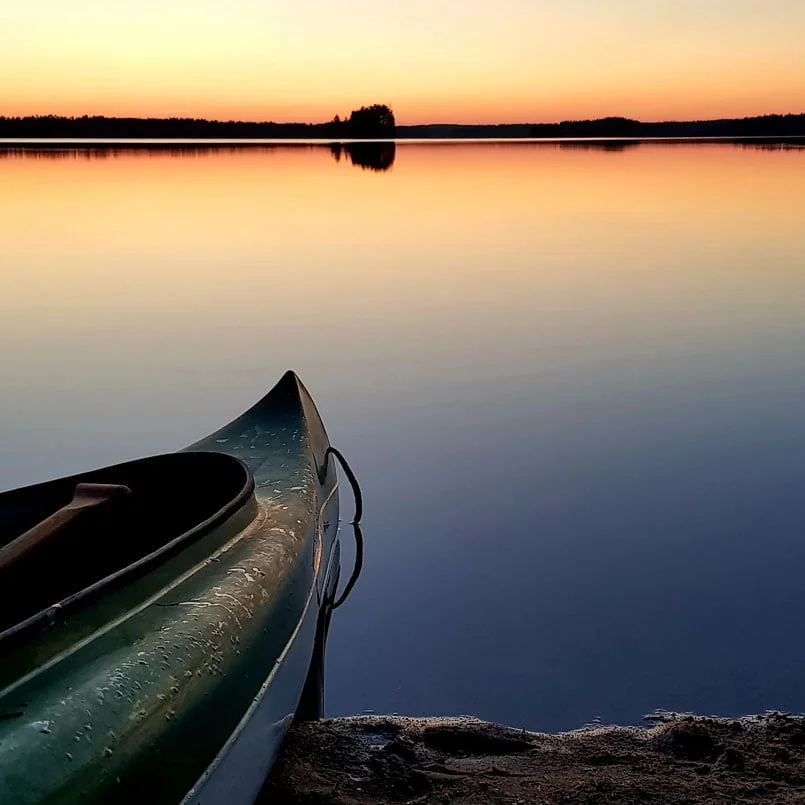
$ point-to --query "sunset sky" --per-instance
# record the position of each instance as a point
(431, 60)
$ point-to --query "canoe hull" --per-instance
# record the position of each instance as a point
(238, 772)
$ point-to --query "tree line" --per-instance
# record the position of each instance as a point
(762, 126)
(368, 122)
(376, 122)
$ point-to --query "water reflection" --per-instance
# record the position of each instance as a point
(357, 567)
(599, 145)
(776, 145)
(570, 382)
(371, 156)
(147, 150)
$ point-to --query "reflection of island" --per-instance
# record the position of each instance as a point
(369, 156)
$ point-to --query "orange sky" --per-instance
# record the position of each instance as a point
(447, 61)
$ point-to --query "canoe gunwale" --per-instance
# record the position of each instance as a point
(47, 617)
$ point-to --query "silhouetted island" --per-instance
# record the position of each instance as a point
(376, 122)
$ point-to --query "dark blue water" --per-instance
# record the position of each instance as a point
(629, 551)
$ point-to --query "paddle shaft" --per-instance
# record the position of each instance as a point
(86, 497)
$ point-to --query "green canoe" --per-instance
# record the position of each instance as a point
(155, 646)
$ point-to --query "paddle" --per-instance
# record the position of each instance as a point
(85, 497)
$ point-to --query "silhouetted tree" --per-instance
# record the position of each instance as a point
(376, 120)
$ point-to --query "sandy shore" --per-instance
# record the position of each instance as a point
(680, 759)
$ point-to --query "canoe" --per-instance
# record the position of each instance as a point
(155, 645)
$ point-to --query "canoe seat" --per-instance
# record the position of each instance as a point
(169, 496)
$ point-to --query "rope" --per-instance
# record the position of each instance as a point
(356, 528)
(356, 570)
(353, 481)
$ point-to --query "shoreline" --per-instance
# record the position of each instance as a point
(377, 122)
(238, 142)
(680, 758)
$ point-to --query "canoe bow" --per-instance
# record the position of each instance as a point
(177, 682)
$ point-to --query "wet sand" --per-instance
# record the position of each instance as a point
(679, 759)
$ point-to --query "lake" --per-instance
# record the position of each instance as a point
(571, 378)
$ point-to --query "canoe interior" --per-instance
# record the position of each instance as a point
(172, 498)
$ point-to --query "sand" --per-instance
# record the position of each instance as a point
(369, 760)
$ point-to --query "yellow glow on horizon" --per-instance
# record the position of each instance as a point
(509, 61)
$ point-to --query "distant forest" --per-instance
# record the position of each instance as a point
(369, 122)
(763, 126)
(377, 122)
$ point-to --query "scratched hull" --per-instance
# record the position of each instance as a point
(179, 686)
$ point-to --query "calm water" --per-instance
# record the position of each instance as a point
(571, 379)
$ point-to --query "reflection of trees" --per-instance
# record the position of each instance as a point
(773, 145)
(90, 151)
(369, 156)
(599, 145)
(375, 156)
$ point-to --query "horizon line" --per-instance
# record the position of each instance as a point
(619, 118)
